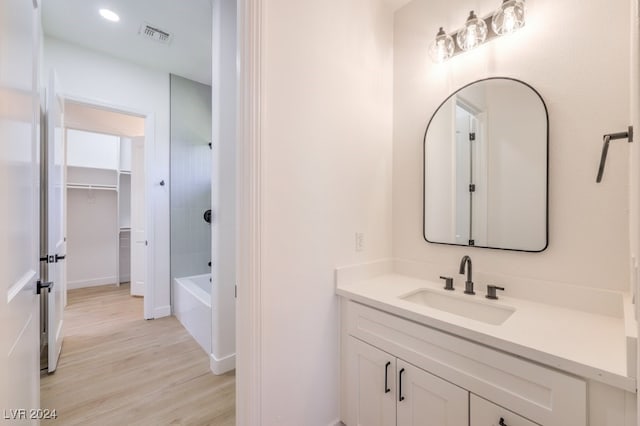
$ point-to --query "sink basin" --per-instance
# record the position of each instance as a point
(462, 305)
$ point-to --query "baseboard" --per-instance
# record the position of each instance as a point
(91, 283)
(336, 423)
(162, 311)
(223, 365)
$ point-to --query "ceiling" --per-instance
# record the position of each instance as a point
(188, 21)
(93, 119)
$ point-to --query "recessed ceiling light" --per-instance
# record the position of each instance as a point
(109, 15)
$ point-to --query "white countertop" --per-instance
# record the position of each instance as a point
(590, 345)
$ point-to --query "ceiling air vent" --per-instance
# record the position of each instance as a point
(155, 33)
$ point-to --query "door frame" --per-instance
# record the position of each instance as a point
(250, 20)
(149, 151)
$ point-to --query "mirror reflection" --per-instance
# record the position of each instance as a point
(485, 168)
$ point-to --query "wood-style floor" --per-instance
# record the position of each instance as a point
(118, 369)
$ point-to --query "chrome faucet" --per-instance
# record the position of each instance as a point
(468, 285)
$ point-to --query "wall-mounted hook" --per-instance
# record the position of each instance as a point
(628, 135)
(162, 182)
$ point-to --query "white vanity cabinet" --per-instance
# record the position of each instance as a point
(372, 388)
(484, 413)
(423, 397)
(386, 391)
(446, 380)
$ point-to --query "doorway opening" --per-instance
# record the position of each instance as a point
(99, 187)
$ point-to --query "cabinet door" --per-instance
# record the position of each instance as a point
(485, 413)
(424, 399)
(371, 386)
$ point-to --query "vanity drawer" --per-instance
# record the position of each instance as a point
(546, 396)
(485, 413)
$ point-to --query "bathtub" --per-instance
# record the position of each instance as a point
(192, 307)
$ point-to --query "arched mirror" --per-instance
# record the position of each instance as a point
(486, 168)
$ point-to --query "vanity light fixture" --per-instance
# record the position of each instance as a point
(109, 15)
(473, 34)
(442, 48)
(509, 18)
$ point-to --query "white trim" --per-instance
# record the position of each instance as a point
(222, 365)
(249, 215)
(104, 105)
(94, 282)
(162, 311)
(150, 178)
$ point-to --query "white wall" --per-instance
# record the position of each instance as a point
(92, 238)
(96, 150)
(88, 74)
(223, 186)
(583, 77)
(326, 174)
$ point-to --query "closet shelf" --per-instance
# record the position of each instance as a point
(90, 168)
(124, 172)
(125, 229)
(91, 186)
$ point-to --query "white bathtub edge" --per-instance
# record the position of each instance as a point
(223, 365)
(188, 285)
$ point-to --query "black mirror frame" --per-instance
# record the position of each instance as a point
(424, 169)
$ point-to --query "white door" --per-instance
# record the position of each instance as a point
(463, 176)
(426, 399)
(56, 245)
(371, 385)
(139, 243)
(19, 210)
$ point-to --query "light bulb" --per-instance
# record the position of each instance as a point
(509, 20)
(473, 34)
(109, 15)
(509, 17)
(442, 47)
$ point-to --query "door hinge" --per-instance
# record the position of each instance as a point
(472, 187)
(146, 243)
(40, 285)
(472, 136)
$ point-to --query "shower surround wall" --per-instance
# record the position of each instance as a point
(190, 177)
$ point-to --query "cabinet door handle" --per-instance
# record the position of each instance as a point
(386, 377)
(400, 397)
(502, 423)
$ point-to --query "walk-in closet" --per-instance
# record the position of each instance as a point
(105, 177)
(98, 208)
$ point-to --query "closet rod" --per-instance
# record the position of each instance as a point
(99, 187)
